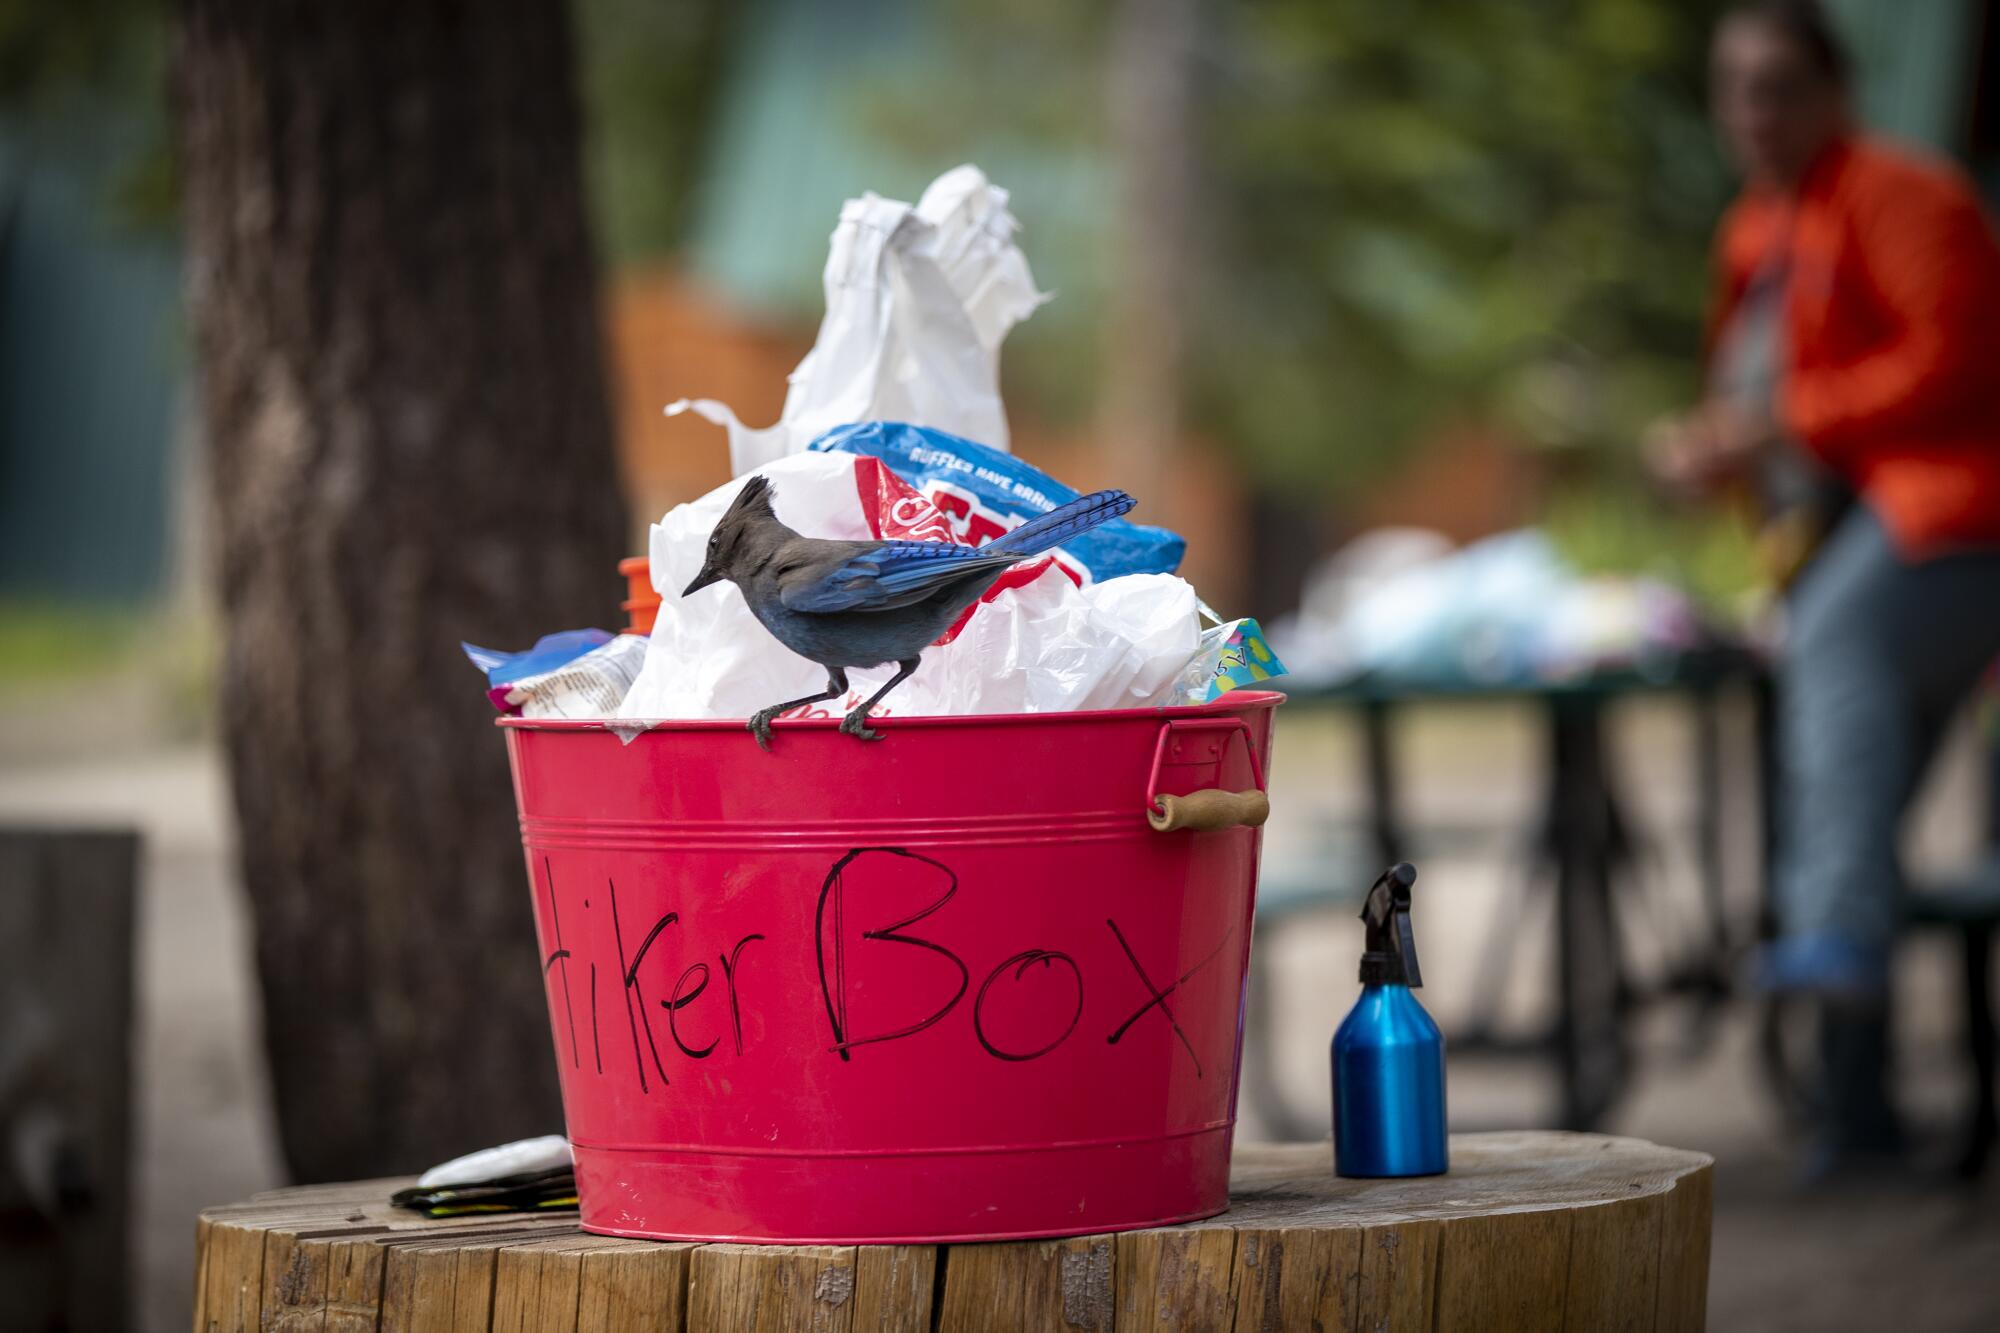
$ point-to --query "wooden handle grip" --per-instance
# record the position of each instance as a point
(1208, 810)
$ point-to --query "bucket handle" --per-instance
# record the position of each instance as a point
(1211, 808)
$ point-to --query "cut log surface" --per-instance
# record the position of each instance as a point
(1529, 1231)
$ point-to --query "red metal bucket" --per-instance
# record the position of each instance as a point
(949, 986)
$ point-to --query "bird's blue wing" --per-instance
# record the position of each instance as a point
(1063, 523)
(898, 573)
(894, 574)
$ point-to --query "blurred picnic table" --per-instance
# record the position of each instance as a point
(1582, 846)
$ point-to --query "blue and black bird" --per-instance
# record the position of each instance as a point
(864, 604)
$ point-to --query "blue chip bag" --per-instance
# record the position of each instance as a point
(986, 493)
(550, 652)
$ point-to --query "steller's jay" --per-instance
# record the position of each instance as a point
(862, 604)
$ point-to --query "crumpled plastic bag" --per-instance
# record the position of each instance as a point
(918, 299)
(1037, 642)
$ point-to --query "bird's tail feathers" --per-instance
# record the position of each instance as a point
(1060, 525)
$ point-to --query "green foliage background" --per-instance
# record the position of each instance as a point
(649, 71)
(1460, 209)
(1413, 215)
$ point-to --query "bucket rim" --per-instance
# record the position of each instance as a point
(1235, 701)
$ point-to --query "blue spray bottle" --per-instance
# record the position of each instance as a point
(1388, 1055)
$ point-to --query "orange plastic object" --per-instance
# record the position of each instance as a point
(643, 605)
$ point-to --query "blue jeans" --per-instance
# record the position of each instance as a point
(1878, 655)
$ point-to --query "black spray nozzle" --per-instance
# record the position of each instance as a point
(1391, 956)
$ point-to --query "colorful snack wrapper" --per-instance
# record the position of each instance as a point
(1231, 656)
(984, 493)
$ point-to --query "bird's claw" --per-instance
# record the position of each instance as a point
(760, 727)
(855, 724)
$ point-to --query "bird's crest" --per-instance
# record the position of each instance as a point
(754, 498)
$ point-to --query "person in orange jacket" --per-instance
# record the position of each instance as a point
(1854, 382)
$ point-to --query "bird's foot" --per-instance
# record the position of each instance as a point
(855, 724)
(760, 727)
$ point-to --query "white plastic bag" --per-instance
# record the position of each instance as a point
(1038, 643)
(918, 300)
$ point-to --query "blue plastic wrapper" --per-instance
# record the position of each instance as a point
(550, 651)
(986, 493)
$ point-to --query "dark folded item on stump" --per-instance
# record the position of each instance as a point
(532, 1192)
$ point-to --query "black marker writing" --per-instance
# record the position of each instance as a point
(728, 961)
(1159, 994)
(560, 955)
(834, 989)
(632, 983)
(596, 1047)
(626, 991)
(682, 999)
(1021, 962)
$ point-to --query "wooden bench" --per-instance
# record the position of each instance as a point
(1530, 1231)
(67, 901)
(1969, 906)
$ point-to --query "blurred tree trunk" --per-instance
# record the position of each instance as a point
(393, 300)
(1150, 104)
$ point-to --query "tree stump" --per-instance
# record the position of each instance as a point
(1529, 1231)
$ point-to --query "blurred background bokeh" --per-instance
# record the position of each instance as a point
(1320, 267)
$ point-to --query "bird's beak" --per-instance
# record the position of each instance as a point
(701, 580)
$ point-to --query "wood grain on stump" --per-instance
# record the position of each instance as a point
(1529, 1231)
